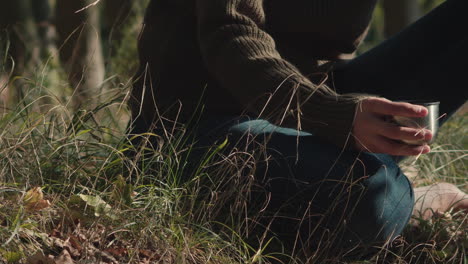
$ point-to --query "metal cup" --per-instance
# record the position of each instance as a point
(429, 122)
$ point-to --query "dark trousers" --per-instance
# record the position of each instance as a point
(427, 61)
(316, 189)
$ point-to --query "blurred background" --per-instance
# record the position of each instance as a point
(76, 52)
(69, 51)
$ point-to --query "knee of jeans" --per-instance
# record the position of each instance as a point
(384, 208)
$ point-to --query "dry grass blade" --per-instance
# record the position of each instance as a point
(88, 6)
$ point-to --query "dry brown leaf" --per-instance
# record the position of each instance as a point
(56, 232)
(69, 244)
(75, 252)
(64, 258)
(75, 242)
(40, 258)
(34, 200)
(33, 195)
(39, 205)
(153, 256)
(117, 252)
(107, 258)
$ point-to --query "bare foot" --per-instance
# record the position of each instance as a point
(439, 198)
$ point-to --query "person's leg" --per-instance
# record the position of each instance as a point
(346, 198)
(424, 61)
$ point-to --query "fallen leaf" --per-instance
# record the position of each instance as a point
(64, 258)
(39, 205)
(107, 258)
(149, 254)
(40, 258)
(99, 205)
(34, 200)
(34, 195)
(75, 242)
(117, 252)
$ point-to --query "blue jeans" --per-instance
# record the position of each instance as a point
(314, 188)
(364, 197)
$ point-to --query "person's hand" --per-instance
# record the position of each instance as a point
(373, 133)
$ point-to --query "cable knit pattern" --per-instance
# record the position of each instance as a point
(244, 51)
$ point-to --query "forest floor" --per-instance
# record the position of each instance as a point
(69, 193)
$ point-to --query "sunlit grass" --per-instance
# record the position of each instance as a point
(107, 205)
(113, 206)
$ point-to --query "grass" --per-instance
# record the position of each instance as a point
(70, 193)
(97, 204)
(103, 206)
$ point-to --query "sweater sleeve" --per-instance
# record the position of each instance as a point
(242, 57)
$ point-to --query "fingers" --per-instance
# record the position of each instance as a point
(401, 149)
(373, 134)
(379, 136)
(382, 144)
(396, 132)
(386, 107)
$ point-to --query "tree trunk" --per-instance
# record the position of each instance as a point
(18, 30)
(42, 12)
(399, 14)
(80, 49)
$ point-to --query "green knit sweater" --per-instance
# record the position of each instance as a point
(249, 56)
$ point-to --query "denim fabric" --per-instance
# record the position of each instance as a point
(316, 188)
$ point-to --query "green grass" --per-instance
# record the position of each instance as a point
(106, 206)
(105, 203)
